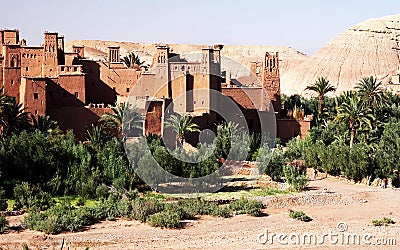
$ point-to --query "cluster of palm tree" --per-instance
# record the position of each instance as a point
(131, 60)
(14, 118)
(357, 108)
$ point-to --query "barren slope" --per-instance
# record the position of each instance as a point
(368, 48)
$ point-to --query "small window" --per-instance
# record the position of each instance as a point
(27, 68)
(127, 90)
(114, 89)
(36, 112)
(76, 94)
(36, 96)
(12, 82)
(51, 70)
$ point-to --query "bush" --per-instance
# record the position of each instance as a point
(272, 165)
(299, 215)
(80, 201)
(31, 197)
(244, 206)
(384, 222)
(143, 208)
(101, 191)
(295, 179)
(167, 219)
(3, 224)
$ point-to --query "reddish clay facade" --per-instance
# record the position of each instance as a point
(76, 91)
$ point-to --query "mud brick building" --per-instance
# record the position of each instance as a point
(75, 91)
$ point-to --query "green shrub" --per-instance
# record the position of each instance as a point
(299, 215)
(31, 197)
(222, 211)
(80, 201)
(244, 206)
(167, 219)
(3, 224)
(142, 208)
(271, 162)
(101, 191)
(295, 179)
(384, 222)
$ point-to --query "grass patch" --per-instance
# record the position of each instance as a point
(235, 195)
(384, 222)
(299, 215)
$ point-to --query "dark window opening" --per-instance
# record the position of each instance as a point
(12, 82)
(36, 112)
(114, 89)
(36, 95)
(127, 90)
(27, 68)
(76, 94)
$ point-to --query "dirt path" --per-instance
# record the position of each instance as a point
(335, 201)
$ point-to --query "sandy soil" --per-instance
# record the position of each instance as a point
(329, 202)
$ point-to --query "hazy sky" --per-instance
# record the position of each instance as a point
(305, 25)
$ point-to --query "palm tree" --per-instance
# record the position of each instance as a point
(321, 87)
(371, 91)
(43, 123)
(355, 113)
(96, 136)
(123, 116)
(182, 124)
(13, 117)
(131, 59)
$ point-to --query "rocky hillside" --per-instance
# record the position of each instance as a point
(368, 48)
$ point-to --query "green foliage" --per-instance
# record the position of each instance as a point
(295, 180)
(31, 197)
(3, 224)
(299, 215)
(384, 222)
(167, 219)
(359, 162)
(181, 125)
(335, 158)
(313, 154)
(271, 165)
(244, 206)
(388, 150)
(143, 208)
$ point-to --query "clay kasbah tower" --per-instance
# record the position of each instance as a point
(76, 91)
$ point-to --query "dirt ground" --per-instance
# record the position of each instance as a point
(335, 206)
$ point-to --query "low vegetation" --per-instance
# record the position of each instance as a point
(383, 222)
(63, 217)
(299, 215)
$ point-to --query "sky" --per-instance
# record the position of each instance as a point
(306, 25)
